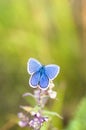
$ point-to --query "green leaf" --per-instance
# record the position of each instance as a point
(52, 114)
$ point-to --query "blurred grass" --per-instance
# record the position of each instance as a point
(44, 30)
(78, 123)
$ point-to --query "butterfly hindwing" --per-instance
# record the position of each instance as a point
(52, 71)
(44, 81)
(33, 66)
(34, 79)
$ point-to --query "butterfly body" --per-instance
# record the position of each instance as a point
(40, 74)
(42, 70)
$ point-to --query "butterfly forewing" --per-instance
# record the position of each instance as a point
(52, 71)
(33, 66)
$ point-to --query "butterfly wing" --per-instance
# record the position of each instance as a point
(33, 66)
(44, 82)
(34, 79)
(52, 71)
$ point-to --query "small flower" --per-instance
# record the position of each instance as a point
(24, 120)
(52, 94)
(51, 85)
(37, 121)
(22, 123)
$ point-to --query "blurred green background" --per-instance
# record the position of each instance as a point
(52, 31)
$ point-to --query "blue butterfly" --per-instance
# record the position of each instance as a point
(41, 75)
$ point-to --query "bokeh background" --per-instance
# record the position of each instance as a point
(52, 31)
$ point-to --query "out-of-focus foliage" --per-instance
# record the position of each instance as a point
(79, 121)
(45, 30)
